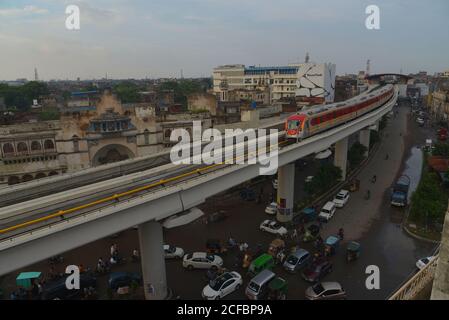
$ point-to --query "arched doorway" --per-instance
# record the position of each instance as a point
(27, 177)
(40, 175)
(112, 153)
(13, 180)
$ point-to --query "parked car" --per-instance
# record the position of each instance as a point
(341, 198)
(273, 227)
(328, 211)
(308, 179)
(123, 279)
(272, 208)
(57, 289)
(223, 285)
(421, 263)
(201, 260)
(172, 252)
(325, 291)
(316, 271)
(297, 260)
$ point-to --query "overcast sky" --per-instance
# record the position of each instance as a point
(158, 38)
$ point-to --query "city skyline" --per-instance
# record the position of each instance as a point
(160, 39)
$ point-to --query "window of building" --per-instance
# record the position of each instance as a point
(8, 148)
(49, 145)
(36, 146)
(22, 147)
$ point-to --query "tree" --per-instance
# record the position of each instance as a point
(441, 149)
(127, 92)
(429, 201)
(325, 178)
(356, 154)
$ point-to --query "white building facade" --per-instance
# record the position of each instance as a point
(294, 80)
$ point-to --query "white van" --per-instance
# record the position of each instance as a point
(328, 211)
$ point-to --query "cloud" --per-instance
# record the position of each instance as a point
(27, 10)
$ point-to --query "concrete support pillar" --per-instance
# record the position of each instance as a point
(153, 260)
(285, 194)
(364, 136)
(341, 156)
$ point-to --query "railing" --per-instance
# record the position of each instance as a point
(413, 287)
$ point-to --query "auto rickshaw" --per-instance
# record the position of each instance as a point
(352, 251)
(331, 245)
(309, 214)
(213, 246)
(276, 246)
(312, 232)
(277, 289)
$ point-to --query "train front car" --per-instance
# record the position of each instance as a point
(294, 126)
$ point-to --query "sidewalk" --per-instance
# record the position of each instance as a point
(358, 214)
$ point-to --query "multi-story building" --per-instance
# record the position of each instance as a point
(439, 107)
(294, 80)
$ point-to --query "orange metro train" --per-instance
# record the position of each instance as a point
(320, 118)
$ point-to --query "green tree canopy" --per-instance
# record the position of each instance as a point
(326, 177)
(356, 154)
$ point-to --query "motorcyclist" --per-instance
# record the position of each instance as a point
(368, 194)
(341, 233)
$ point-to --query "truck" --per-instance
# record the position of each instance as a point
(399, 194)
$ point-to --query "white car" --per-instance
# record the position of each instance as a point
(275, 184)
(223, 285)
(421, 263)
(172, 252)
(308, 179)
(341, 198)
(328, 211)
(273, 227)
(201, 260)
(272, 208)
(420, 121)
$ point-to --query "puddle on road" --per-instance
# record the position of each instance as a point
(413, 168)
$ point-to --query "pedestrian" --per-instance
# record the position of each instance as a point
(135, 256)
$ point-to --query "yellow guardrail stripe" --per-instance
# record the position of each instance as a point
(115, 196)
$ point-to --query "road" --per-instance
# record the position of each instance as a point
(372, 222)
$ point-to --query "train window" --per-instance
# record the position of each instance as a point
(293, 124)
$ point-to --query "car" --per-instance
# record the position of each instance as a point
(123, 279)
(316, 271)
(297, 260)
(273, 227)
(57, 289)
(328, 211)
(275, 184)
(272, 208)
(172, 252)
(325, 291)
(420, 121)
(341, 198)
(308, 179)
(421, 263)
(202, 260)
(223, 285)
